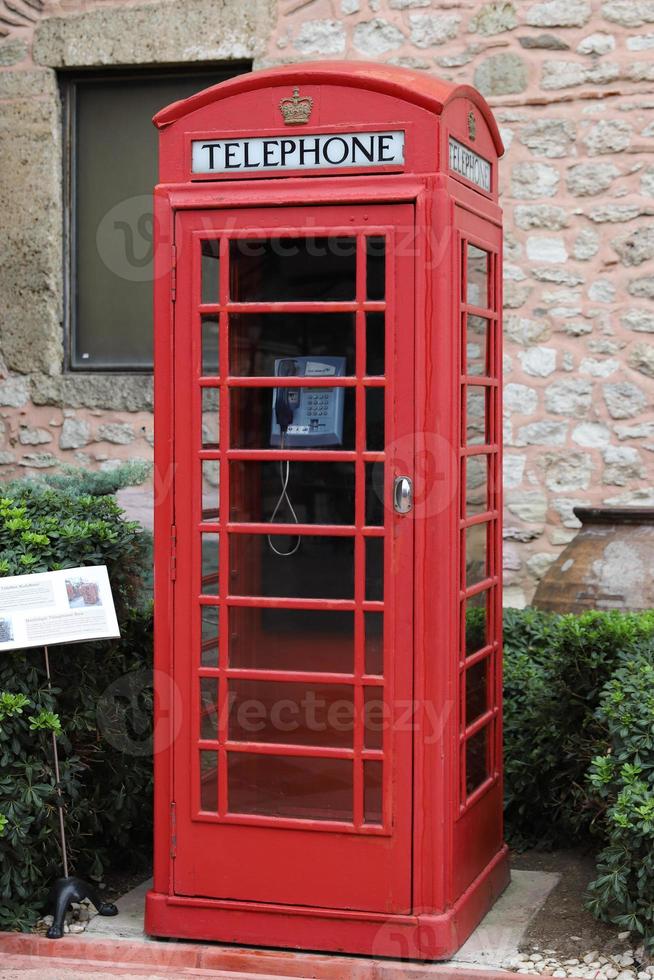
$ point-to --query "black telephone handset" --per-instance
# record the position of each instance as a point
(286, 399)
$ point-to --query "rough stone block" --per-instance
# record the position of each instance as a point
(520, 398)
(547, 42)
(545, 433)
(323, 37)
(642, 321)
(642, 287)
(624, 400)
(641, 358)
(12, 50)
(636, 247)
(549, 137)
(494, 18)
(568, 74)
(607, 136)
(539, 362)
(629, 13)
(598, 43)
(591, 435)
(428, 30)
(534, 180)
(130, 393)
(621, 464)
(530, 506)
(119, 433)
(75, 433)
(588, 179)
(558, 13)
(14, 391)
(566, 470)
(375, 37)
(185, 30)
(548, 216)
(525, 331)
(501, 74)
(569, 396)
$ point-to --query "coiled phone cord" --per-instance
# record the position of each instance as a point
(284, 473)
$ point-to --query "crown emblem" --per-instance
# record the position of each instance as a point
(472, 125)
(296, 110)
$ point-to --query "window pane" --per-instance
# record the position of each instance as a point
(291, 713)
(374, 627)
(253, 412)
(292, 268)
(209, 570)
(115, 163)
(477, 345)
(209, 635)
(209, 708)
(477, 276)
(375, 423)
(374, 494)
(477, 759)
(372, 791)
(321, 568)
(291, 639)
(290, 786)
(375, 342)
(477, 415)
(476, 554)
(476, 485)
(476, 625)
(477, 690)
(210, 332)
(375, 569)
(209, 781)
(374, 717)
(257, 340)
(210, 270)
(319, 493)
(210, 418)
(375, 268)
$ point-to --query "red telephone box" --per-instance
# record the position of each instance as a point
(328, 526)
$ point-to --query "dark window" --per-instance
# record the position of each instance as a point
(111, 169)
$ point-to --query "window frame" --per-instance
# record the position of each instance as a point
(69, 81)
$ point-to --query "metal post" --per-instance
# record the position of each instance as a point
(60, 801)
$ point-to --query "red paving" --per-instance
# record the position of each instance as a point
(27, 957)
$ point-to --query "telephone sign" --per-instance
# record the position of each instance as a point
(328, 559)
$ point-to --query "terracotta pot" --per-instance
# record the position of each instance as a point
(609, 565)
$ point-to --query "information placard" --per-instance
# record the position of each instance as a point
(67, 606)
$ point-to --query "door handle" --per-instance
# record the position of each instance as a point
(403, 494)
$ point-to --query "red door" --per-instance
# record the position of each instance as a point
(294, 581)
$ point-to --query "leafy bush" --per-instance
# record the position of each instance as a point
(623, 779)
(555, 670)
(105, 768)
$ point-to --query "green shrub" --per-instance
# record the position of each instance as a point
(555, 669)
(623, 780)
(105, 773)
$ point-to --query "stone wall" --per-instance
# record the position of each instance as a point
(571, 84)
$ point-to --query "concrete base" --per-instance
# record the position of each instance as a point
(492, 944)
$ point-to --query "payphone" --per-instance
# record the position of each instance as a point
(328, 773)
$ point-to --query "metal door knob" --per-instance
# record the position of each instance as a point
(403, 494)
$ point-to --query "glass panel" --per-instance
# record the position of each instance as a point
(210, 270)
(290, 786)
(252, 413)
(477, 415)
(477, 690)
(476, 613)
(210, 419)
(375, 717)
(209, 633)
(375, 343)
(478, 345)
(257, 340)
(476, 485)
(210, 489)
(321, 568)
(210, 332)
(209, 707)
(476, 554)
(209, 560)
(375, 268)
(374, 569)
(372, 791)
(209, 781)
(374, 627)
(477, 759)
(320, 493)
(374, 494)
(292, 269)
(291, 713)
(375, 425)
(291, 639)
(477, 276)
